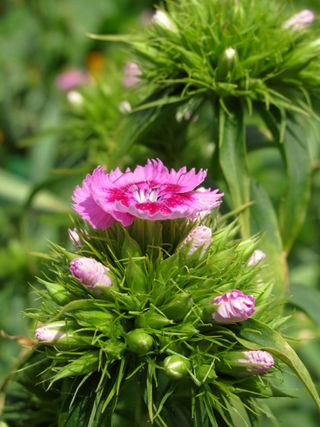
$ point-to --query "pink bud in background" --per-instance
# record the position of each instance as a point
(233, 307)
(51, 332)
(72, 79)
(90, 272)
(74, 236)
(300, 20)
(162, 19)
(256, 362)
(200, 237)
(256, 257)
(131, 74)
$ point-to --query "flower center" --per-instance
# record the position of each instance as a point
(143, 195)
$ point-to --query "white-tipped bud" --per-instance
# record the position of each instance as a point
(125, 107)
(230, 53)
(300, 20)
(74, 236)
(200, 237)
(256, 257)
(162, 19)
(75, 98)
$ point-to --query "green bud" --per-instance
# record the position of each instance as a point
(89, 362)
(114, 348)
(58, 292)
(138, 341)
(178, 307)
(130, 248)
(207, 311)
(206, 373)
(169, 344)
(176, 367)
(135, 277)
(152, 319)
(98, 319)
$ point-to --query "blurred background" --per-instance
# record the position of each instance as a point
(62, 97)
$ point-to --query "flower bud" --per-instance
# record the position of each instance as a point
(114, 348)
(162, 19)
(300, 20)
(139, 341)
(178, 307)
(90, 272)
(227, 63)
(125, 107)
(75, 98)
(131, 74)
(74, 236)
(245, 363)
(58, 333)
(205, 373)
(176, 367)
(233, 307)
(256, 257)
(99, 320)
(151, 319)
(200, 237)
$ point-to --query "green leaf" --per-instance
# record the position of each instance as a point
(294, 204)
(233, 162)
(306, 298)
(43, 200)
(264, 219)
(270, 340)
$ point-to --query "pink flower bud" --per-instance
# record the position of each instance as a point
(90, 272)
(162, 19)
(131, 74)
(256, 257)
(300, 20)
(200, 237)
(233, 307)
(71, 79)
(256, 362)
(51, 332)
(245, 363)
(74, 236)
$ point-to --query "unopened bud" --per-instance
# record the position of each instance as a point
(74, 236)
(138, 341)
(163, 20)
(132, 74)
(245, 363)
(176, 367)
(200, 238)
(91, 273)
(300, 20)
(233, 307)
(256, 257)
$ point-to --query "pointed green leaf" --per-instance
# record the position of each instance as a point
(294, 205)
(270, 340)
(233, 162)
(264, 220)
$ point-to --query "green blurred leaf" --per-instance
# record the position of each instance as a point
(270, 340)
(264, 219)
(306, 298)
(18, 190)
(232, 157)
(294, 204)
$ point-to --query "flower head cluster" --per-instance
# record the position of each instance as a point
(150, 192)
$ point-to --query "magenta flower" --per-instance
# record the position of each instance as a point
(90, 272)
(132, 74)
(150, 192)
(200, 237)
(300, 20)
(71, 79)
(256, 362)
(233, 307)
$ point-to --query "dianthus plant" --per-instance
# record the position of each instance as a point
(160, 314)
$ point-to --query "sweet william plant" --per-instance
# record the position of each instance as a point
(160, 314)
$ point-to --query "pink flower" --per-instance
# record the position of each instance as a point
(90, 272)
(200, 237)
(150, 192)
(71, 79)
(300, 20)
(131, 74)
(233, 307)
(256, 362)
